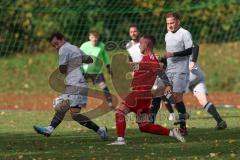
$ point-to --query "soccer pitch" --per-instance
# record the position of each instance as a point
(72, 141)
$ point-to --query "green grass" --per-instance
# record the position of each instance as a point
(71, 141)
(24, 74)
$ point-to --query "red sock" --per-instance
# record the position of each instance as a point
(120, 123)
(153, 128)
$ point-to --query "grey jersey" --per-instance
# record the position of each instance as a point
(134, 51)
(71, 56)
(176, 42)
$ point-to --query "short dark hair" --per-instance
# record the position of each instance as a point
(94, 33)
(58, 35)
(133, 26)
(151, 38)
(173, 14)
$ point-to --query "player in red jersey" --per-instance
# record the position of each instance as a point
(139, 100)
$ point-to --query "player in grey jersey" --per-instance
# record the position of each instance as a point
(178, 42)
(198, 87)
(74, 96)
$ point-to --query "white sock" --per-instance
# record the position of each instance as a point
(120, 139)
(171, 133)
(50, 128)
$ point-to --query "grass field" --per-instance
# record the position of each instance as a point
(71, 141)
(26, 74)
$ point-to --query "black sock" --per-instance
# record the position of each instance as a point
(155, 107)
(180, 106)
(211, 109)
(181, 110)
(107, 94)
(85, 121)
(57, 119)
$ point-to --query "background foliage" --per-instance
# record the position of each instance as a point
(25, 24)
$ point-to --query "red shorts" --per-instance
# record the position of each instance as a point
(138, 101)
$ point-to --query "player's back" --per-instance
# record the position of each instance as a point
(176, 42)
(71, 56)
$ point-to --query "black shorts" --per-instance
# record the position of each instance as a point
(95, 78)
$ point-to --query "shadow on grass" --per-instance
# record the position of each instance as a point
(86, 145)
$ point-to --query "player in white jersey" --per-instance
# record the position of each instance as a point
(178, 42)
(133, 47)
(135, 56)
(74, 96)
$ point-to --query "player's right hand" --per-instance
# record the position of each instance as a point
(168, 54)
(191, 65)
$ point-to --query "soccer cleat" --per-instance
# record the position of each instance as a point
(221, 125)
(118, 142)
(102, 131)
(46, 131)
(172, 117)
(183, 131)
(176, 134)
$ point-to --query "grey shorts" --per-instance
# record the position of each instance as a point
(179, 81)
(197, 82)
(75, 101)
(95, 78)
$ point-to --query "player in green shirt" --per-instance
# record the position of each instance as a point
(94, 71)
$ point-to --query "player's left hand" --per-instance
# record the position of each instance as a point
(191, 65)
(168, 90)
(135, 66)
(168, 54)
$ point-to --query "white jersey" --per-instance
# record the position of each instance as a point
(134, 52)
(71, 56)
(176, 42)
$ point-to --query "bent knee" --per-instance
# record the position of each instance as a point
(61, 106)
(144, 127)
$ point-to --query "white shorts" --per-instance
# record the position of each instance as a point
(197, 81)
(200, 87)
(74, 100)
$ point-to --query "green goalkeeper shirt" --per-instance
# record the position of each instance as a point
(99, 56)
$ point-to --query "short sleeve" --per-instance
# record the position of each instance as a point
(83, 47)
(187, 39)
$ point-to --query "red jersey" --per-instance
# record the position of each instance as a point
(144, 78)
(139, 100)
